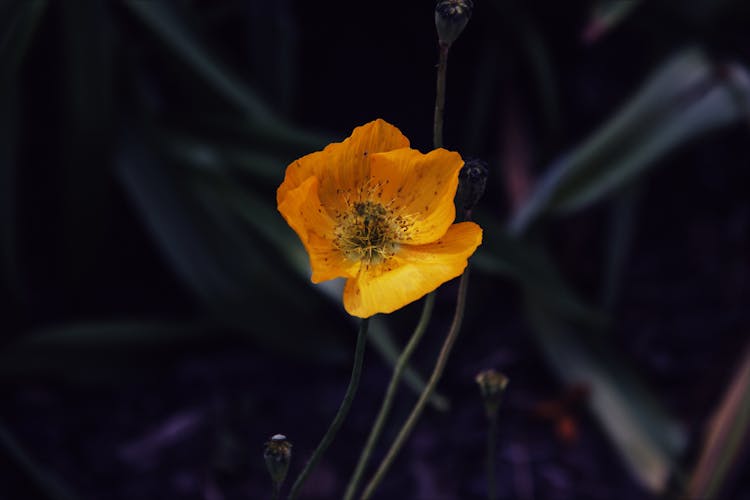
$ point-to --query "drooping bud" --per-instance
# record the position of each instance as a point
(277, 453)
(492, 386)
(472, 180)
(451, 17)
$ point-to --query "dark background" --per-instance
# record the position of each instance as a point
(157, 326)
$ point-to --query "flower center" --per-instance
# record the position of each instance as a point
(367, 232)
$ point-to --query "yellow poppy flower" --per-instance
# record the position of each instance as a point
(379, 213)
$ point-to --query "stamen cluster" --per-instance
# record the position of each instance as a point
(367, 232)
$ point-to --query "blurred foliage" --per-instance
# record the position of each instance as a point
(688, 96)
(151, 136)
(726, 437)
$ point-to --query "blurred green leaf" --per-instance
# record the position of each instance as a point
(269, 224)
(166, 211)
(686, 97)
(158, 17)
(531, 268)
(202, 154)
(621, 229)
(97, 352)
(253, 260)
(38, 482)
(223, 130)
(605, 15)
(112, 335)
(163, 21)
(726, 439)
(648, 439)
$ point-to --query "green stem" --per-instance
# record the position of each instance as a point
(491, 439)
(276, 494)
(359, 354)
(390, 394)
(437, 128)
(408, 426)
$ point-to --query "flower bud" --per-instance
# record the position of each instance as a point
(472, 180)
(277, 453)
(492, 386)
(451, 17)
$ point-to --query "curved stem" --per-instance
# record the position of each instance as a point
(408, 426)
(390, 394)
(359, 354)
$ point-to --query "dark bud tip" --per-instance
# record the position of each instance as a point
(277, 454)
(451, 17)
(472, 181)
(492, 386)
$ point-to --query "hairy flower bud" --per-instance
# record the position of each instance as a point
(472, 180)
(451, 17)
(277, 453)
(492, 385)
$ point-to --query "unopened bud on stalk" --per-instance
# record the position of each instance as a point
(451, 17)
(472, 180)
(492, 385)
(277, 453)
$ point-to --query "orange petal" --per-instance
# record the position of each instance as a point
(343, 167)
(412, 273)
(420, 187)
(327, 262)
(304, 213)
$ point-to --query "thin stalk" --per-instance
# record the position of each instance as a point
(437, 127)
(390, 395)
(359, 354)
(276, 494)
(416, 412)
(491, 439)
